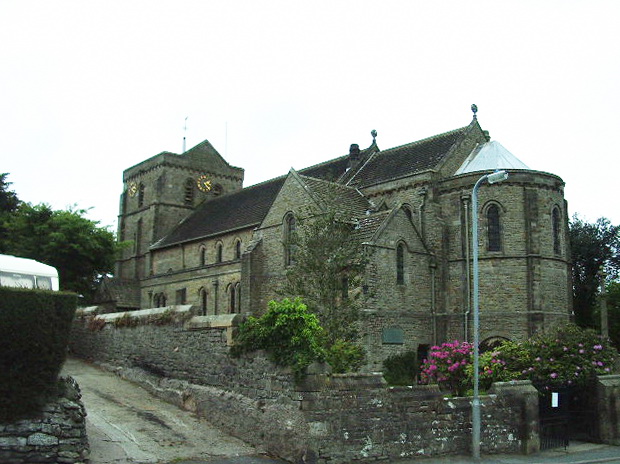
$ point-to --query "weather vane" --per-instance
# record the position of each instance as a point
(474, 109)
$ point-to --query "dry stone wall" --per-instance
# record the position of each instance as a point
(326, 418)
(57, 436)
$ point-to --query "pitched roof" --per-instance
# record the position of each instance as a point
(369, 224)
(349, 201)
(407, 159)
(241, 209)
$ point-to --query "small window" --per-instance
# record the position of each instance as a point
(232, 298)
(400, 264)
(238, 249)
(189, 192)
(218, 253)
(203, 256)
(290, 226)
(557, 247)
(493, 228)
(141, 195)
(181, 296)
(203, 302)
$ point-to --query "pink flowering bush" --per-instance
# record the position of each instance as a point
(568, 357)
(447, 366)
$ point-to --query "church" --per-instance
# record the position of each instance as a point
(198, 237)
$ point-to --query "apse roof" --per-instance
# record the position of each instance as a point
(490, 156)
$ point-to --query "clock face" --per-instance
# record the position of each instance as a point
(204, 183)
(132, 189)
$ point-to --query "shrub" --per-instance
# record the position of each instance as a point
(126, 320)
(401, 369)
(34, 331)
(288, 332)
(344, 356)
(447, 366)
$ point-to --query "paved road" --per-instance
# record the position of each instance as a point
(126, 424)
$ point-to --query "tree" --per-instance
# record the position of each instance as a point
(593, 246)
(8, 204)
(613, 308)
(80, 249)
(329, 263)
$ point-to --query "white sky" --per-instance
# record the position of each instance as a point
(90, 88)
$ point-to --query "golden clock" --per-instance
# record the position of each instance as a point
(132, 189)
(204, 183)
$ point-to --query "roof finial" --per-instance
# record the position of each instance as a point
(474, 109)
(374, 135)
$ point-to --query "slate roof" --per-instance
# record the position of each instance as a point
(238, 210)
(350, 202)
(407, 159)
(241, 209)
(369, 224)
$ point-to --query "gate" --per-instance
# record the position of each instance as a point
(565, 414)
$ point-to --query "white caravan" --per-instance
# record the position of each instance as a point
(27, 273)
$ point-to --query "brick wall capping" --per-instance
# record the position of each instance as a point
(512, 385)
(145, 313)
(609, 380)
(218, 321)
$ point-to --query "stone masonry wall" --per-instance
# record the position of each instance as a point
(58, 436)
(325, 418)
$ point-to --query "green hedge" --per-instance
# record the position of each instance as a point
(34, 331)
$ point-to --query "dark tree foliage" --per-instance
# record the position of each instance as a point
(327, 273)
(80, 249)
(8, 204)
(594, 246)
(613, 311)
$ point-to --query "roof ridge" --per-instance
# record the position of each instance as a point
(427, 139)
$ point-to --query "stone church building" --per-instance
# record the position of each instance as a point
(198, 237)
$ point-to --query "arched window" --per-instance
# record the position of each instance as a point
(203, 302)
(407, 211)
(400, 264)
(203, 256)
(141, 195)
(232, 306)
(555, 223)
(238, 297)
(189, 192)
(493, 228)
(218, 253)
(238, 249)
(290, 226)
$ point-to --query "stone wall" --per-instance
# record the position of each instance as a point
(325, 418)
(58, 436)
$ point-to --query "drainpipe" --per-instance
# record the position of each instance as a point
(433, 267)
(422, 192)
(465, 200)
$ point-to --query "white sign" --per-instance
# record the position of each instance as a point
(555, 399)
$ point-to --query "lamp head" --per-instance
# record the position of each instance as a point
(497, 176)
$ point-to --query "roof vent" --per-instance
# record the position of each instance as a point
(354, 151)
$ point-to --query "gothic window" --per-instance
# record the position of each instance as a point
(289, 247)
(238, 291)
(160, 300)
(400, 264)
(189, 192)
(203, 256)
(238, 249)
(137, 246)
(232, 298)
(203, 302)
(407, 211)
(141, 195)
(555, 219)
(218, 253)
(493, 228)
(181, 296)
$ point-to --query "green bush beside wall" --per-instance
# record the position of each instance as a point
(34, 330)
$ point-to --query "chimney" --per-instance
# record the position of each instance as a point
(354, 152)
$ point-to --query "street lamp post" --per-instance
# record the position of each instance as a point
(497, 176)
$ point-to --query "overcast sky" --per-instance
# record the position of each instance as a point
(90, 88)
